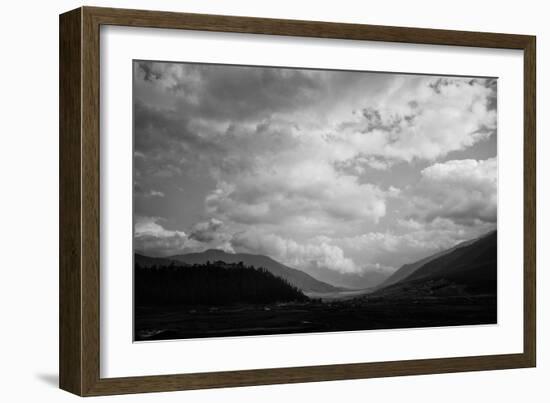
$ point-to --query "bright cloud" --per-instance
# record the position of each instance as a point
(424, 118)
(464, 191)
(410, 240)
(320, 253)
(150, 235)
(309, 192)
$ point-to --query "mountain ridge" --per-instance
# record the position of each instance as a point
(469, 268)
(409, 268)
(297, 278)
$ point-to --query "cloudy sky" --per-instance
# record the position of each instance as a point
(342, 174)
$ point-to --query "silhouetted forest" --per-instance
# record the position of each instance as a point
(215, 283)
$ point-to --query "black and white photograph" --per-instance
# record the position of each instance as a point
(285, 200)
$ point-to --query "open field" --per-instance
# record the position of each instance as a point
(164, 323)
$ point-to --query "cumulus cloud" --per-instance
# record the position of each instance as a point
(290, 161)
(341, 117)
(464, 191)
(421, 118)
(332, 172)
(207, 231)
(409, 241)
(151, 236)
(319, 253)
(309, 193)
(236, 92)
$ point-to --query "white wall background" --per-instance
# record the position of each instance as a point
(29, 202)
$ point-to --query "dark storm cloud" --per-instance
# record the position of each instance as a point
(233, 92)
(167, 143)
(246, 93)
(159, 129)
(149, 73)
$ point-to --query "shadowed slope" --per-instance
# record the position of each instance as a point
(295, 277)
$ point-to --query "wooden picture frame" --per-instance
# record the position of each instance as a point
(79, 348)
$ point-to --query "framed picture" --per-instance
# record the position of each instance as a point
(249, 201)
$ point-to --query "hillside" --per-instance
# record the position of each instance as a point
(211, 284)
(409, 268)
(297, 278)
(469, 269)
(474, 265)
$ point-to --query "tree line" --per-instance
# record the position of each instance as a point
(212, 283)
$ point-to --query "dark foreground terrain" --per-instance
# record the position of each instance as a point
(195, 298)
(163, 323)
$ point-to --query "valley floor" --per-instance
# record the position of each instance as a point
(184, 322)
